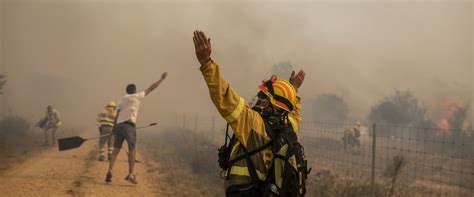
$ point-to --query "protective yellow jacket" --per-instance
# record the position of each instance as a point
(248, 127)
(53, 118)
(106, 118)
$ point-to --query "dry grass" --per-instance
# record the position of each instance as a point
(394, 170)
(326, 181)
(188, 164)
(185, 161)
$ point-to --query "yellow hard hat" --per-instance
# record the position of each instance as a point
(357, 123)
(111, 104)
(280, 92)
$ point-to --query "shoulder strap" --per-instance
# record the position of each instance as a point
(247, 155)
(272, 136)
(251, 168)
(269, 129)
(253, 152)
(226, 134)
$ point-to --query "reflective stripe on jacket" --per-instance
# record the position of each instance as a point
(248, 126)
(106, 118)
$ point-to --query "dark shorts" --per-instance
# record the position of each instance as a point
(125, 131)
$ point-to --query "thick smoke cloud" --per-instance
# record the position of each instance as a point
(77, 55)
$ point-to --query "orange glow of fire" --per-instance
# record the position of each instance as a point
(451, 109)
(443, 124)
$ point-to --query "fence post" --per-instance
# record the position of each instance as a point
(372, 178)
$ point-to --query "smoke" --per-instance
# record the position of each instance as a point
(2, 71)
(78, 55)
(283, 70)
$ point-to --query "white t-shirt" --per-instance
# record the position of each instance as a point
(129, 106)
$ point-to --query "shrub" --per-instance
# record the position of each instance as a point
(14, 126)
(329, 108)
(400, 108)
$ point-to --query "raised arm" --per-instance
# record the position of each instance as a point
(227, 101)
(229, 104)
(156, 84)
(295, 116)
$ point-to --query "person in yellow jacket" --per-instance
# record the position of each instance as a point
(277, 98)
(106, 120)
(52, 123)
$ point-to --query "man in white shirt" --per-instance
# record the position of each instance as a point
(126, 119)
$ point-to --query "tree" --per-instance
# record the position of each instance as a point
(400, 108)
(329, 108)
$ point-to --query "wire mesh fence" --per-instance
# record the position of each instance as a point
(436, 161)
(439, 162)
(212, 128)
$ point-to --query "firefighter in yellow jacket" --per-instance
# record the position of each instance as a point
(276, 98)
(50, 122)
(106, 120)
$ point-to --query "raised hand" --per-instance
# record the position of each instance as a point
(202, 45)
(297, 79)
(163, 76)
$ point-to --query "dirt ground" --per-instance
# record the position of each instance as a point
(76, 173)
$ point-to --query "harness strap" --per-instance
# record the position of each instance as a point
(280, 157)
(226, 134)
(251, 168)
(290, 137)
(253, 152)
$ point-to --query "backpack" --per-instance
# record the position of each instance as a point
(225, 150)
(294, 180)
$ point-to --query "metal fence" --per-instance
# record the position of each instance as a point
(439, 162)
(213, 127)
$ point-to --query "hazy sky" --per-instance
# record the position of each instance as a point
(77, 55)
